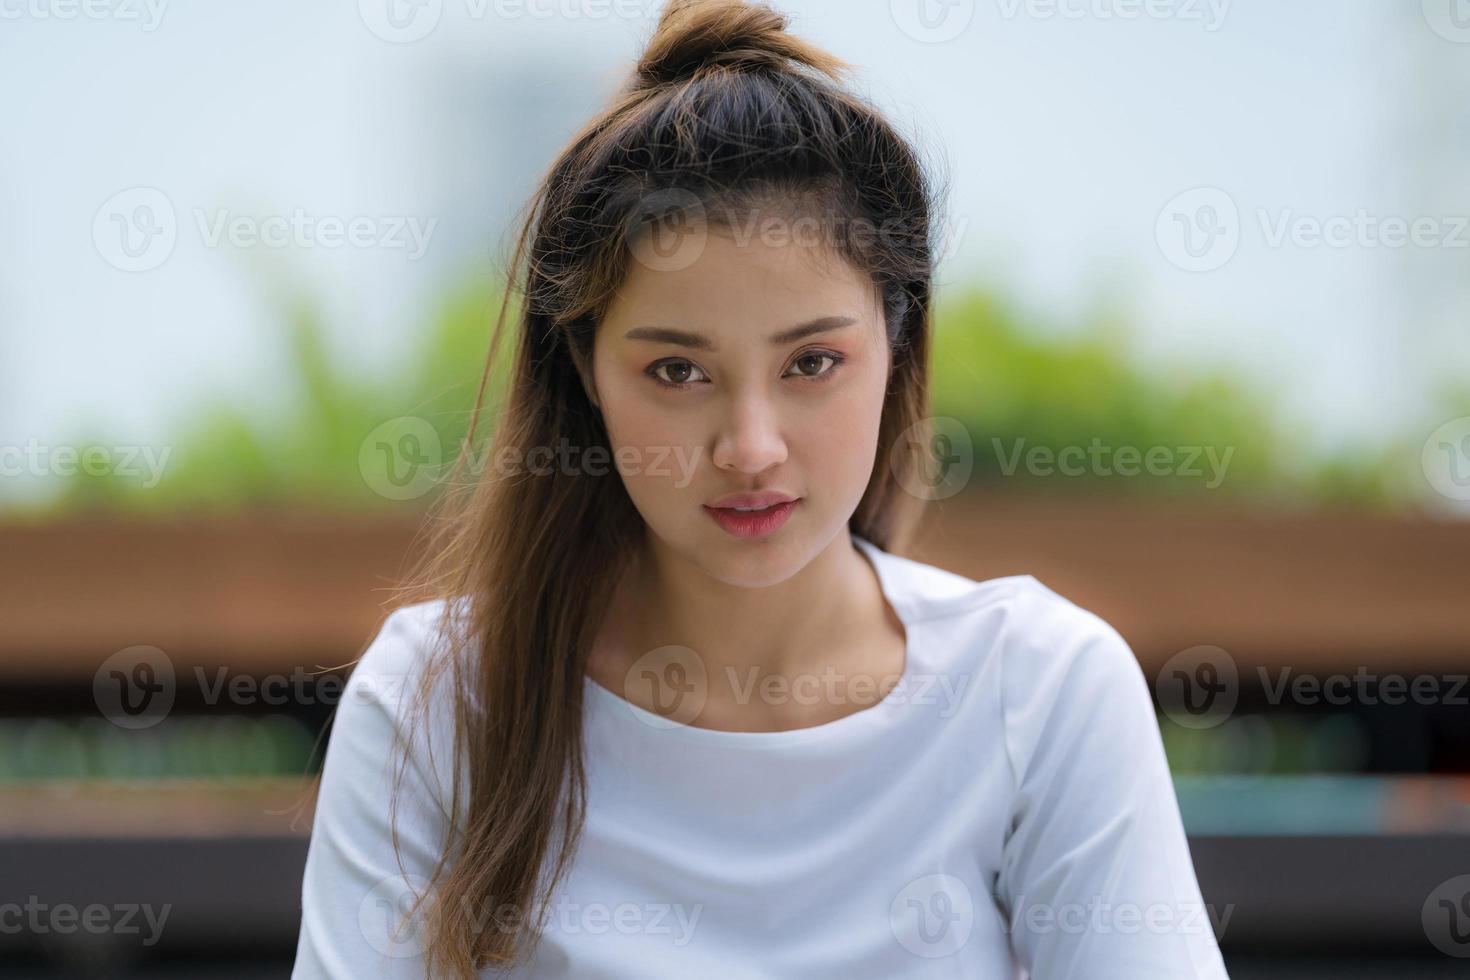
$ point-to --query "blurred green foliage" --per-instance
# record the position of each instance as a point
(234, 458)
(1009, 383)
(181, 747)
(1017, 388)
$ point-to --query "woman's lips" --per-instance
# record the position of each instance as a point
(752, 523)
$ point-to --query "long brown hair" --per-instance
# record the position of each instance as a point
(726, 109)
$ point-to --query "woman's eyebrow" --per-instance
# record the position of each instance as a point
(698, 341)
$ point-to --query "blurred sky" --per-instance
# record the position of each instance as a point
(1067, 132)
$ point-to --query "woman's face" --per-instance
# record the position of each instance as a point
(704, 398)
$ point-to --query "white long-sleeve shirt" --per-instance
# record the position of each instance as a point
(1006, 810)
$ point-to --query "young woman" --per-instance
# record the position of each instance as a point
(672, 706)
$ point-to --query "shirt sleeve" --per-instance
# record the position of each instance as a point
(1096, 875)
(354, 895)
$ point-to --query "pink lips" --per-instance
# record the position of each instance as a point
(754, 523)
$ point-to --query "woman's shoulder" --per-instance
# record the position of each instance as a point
(1058, 674)
(381, 707)
(1043, 615)
(388, 678)
(406, 640)
(1040, 637)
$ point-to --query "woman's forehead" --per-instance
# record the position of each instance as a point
(736, 282)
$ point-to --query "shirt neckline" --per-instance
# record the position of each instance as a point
(873, 714)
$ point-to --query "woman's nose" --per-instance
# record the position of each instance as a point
(749, 438)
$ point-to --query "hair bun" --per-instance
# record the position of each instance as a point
(698, 35)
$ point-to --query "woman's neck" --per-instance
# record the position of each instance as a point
(824, 625)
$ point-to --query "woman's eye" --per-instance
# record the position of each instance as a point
(679, 373)
(814, 359)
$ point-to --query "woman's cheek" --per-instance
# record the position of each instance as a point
(850, 428)
(644, 424)
(657, 449)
